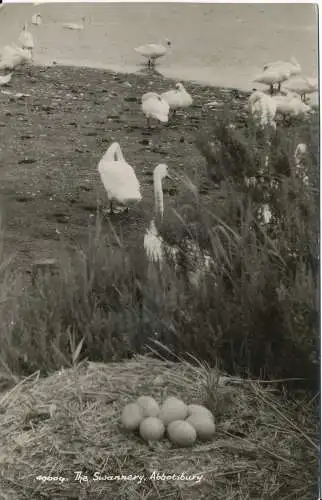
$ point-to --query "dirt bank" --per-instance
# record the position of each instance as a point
(53, 138)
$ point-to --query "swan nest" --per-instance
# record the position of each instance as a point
(61, 437)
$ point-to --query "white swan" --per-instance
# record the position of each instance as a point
(25, 39)
(291, 105)
(153, 106)
(273, 75)
(177, 98)
(73, 26)
(118, 177)
(12, 56)
(153, 51)
(263, 108)
(303, 86)
(5, 79)
(155, 246)
(292, 66)
(36, 19)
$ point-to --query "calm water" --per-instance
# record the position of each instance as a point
(222, 44)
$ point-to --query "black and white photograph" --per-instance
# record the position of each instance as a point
(159, 251)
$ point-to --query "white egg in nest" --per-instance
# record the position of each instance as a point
(173, 409)
(203, 425)
(132, 416)
(149, 406)
(194, 408)
(181, 433)
(152, 429)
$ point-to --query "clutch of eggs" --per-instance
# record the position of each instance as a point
(184, 423)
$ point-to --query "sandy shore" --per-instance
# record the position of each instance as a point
(53, 139)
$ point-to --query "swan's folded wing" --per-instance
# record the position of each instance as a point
(120, 179)
(156, 107)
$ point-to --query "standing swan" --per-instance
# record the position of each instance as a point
(303, 86)
(272, 75)
(118, 177)
(25, 39)
(293, 66)
(154, 106)
(290, 104)
(11, 57)
(153, 51)
(155, 246)
(153, 241)
(178, 98)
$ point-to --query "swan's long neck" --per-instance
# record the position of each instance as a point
(158, 194)
(116, 153)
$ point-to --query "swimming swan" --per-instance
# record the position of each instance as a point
(153, 51)
(263, 108)
(178, 98)
(25, 39)
(118, 177)
(13, 56)
(36, 19)
(154, 106)
(73, 26)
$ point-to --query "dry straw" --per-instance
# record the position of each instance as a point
(70, 422)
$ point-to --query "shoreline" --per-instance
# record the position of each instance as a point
(141, 71)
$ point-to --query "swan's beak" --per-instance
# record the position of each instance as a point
(169, 177)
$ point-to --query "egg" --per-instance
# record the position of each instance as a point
(151, 429)
(149, 406)
(203, 425)
(131, 417)
(173, 409)
(192, 409)
(181, 433)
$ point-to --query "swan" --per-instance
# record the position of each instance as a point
(118, 177)
(154, 106)
(73, 26)
(263, 108)
(272, 75)
(293, 66)
(290, 104)
(4, 80)
(178, 98)
(155, 246)
(153, 51)
(303, 86)
(12, 56)
(26, 39)
(36, 19)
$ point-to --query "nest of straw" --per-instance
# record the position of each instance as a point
(70, 422)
